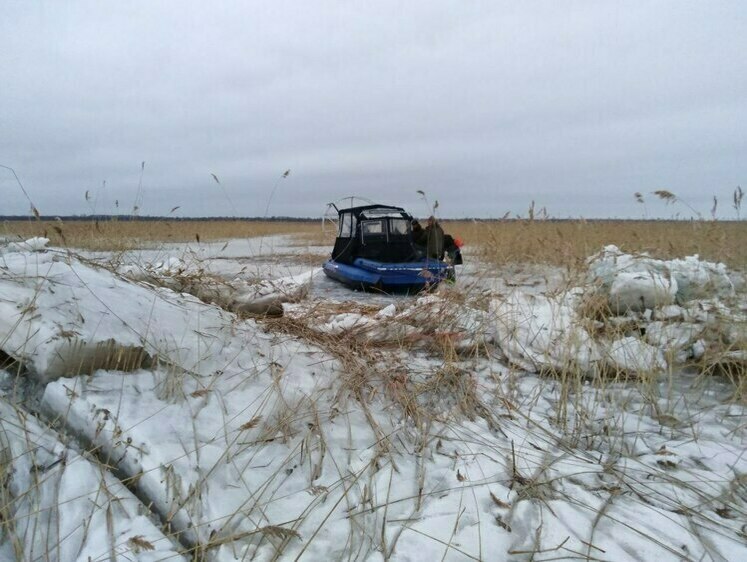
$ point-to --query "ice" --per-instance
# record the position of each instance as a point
(387, 312)
(688, 278)
(236, 294)
(61, 506)
(699, 279)
(326, 481)
(36, 244)
(642, 331)
(631, 355)
(375, 427)
(735, 331)
(538, 332)
(672, 312)
(60, 316)
(641, 291)
(673, 336)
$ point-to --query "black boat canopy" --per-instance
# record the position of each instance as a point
(376, 232)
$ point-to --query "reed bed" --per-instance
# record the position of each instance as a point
(423, 404)
(555, 242)
(564, 243)
(116, 235)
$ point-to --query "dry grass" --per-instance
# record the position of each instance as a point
(561, 243)
(123, 235)
(447, 390)
(566, 243)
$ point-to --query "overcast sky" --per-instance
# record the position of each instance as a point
(485, 106)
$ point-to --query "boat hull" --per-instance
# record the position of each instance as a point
(371, 274)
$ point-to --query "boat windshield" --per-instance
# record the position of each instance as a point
(381, 213)
(373, 228)
(347, 226)
(398, 227)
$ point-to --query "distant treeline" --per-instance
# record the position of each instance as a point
(131, 218)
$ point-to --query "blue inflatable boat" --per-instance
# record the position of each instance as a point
(375, 249)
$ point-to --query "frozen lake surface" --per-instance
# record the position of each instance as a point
(503, 417)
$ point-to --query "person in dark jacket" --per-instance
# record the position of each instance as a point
(452, 246)
(433, 239)
(417, 230)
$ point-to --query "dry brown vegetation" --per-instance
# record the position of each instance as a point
(565, 243)
(562, 243)
(449, 390)
(123, 235)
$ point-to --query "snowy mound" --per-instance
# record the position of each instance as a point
(390, 429)
(640, 281)
(264, 296)
(31, 245)
(65, 506)
(638, 330)
(539, 333)
(60, 316)
(639, 291)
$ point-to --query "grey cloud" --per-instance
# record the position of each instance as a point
(487, 106)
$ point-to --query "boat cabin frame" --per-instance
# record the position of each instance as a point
(375, 232)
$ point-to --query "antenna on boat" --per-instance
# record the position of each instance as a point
(330, 219)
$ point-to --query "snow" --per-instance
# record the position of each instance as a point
(673, 336)
(66, 506)
(641, 291)
(552, 332)
(631, 355)
(31, 245)
(236, 294)
(387, 312)
(60, 316)
(539, 332)
(450, 426)
(688, 278)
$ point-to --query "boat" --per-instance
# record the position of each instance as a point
(375, 250)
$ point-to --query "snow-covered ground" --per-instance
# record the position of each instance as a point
(514, 415)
